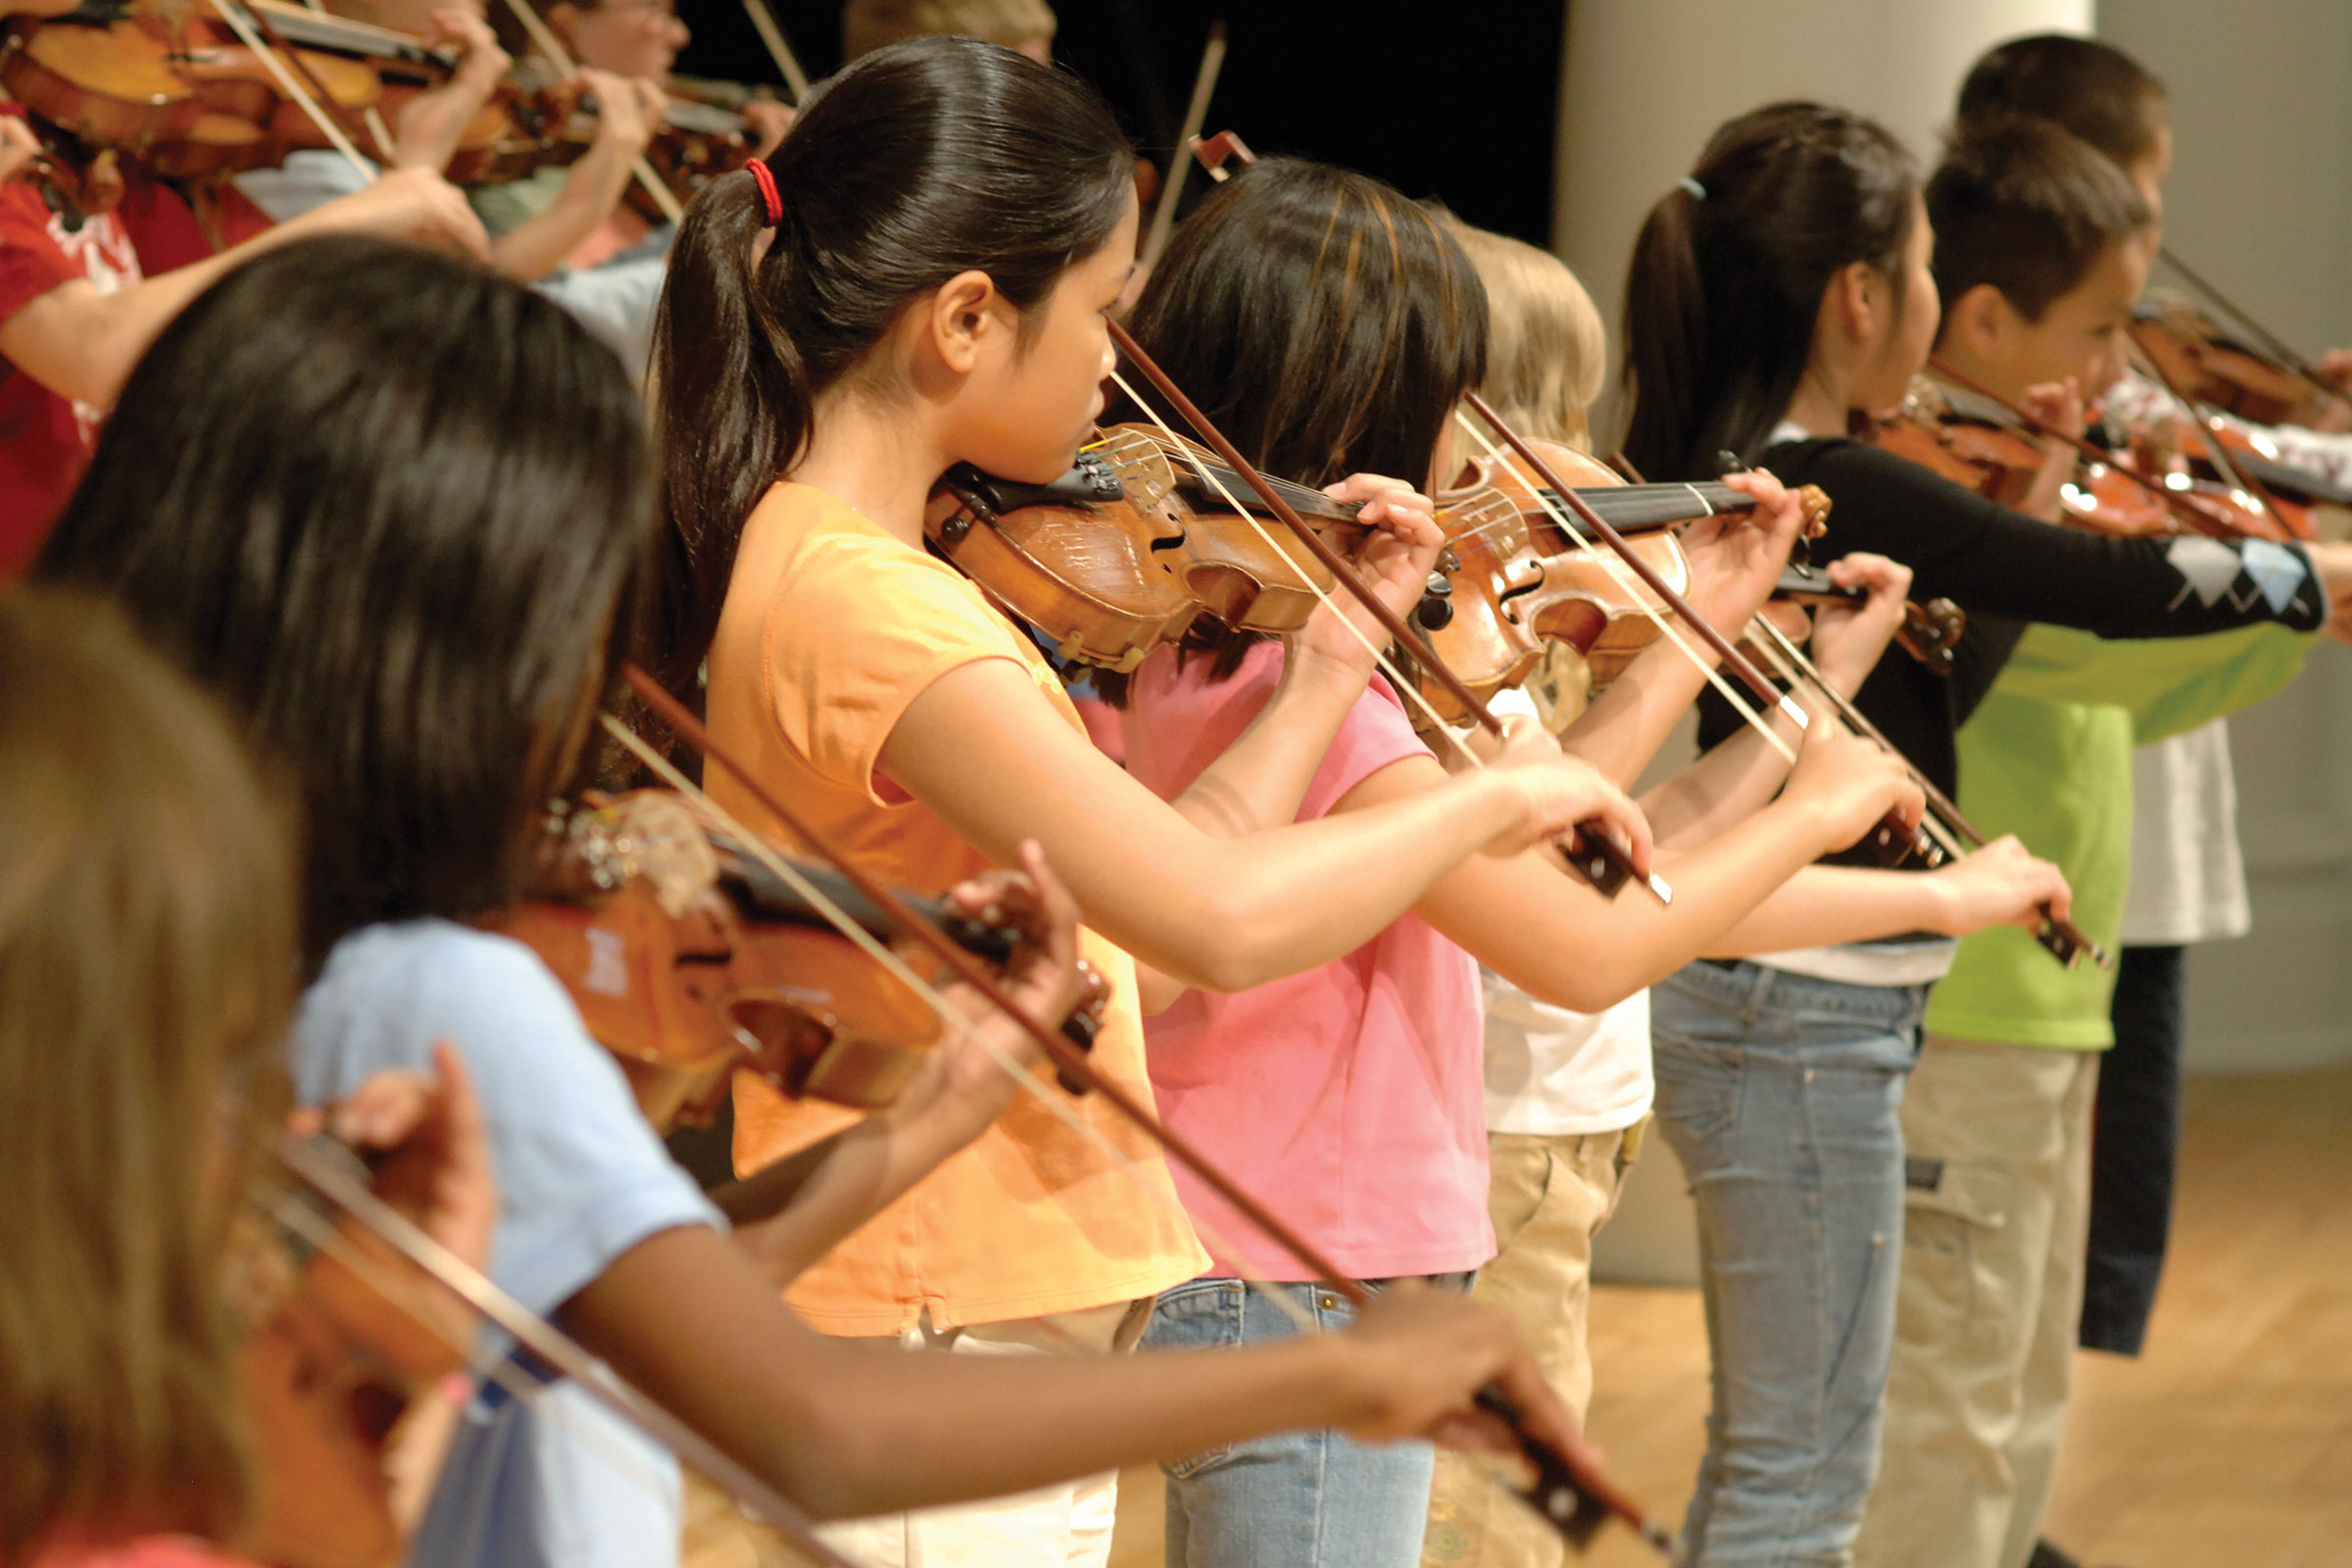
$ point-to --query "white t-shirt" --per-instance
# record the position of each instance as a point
(2188, 880)
(1562, 1073)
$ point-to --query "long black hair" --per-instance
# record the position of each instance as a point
(393, 510)
(1327, 324)
(1728, 277)
(927, 159)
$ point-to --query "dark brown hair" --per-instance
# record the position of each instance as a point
(1726, 285)
(927, 159)
(146, 964)
(395, 511)
(2027, 207)
(2091, 88)
(1325, 321)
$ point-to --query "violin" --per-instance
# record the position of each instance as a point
(2214, 367)
(2001, 462)
(1929, 632)
(340, 1338)
(689, 959)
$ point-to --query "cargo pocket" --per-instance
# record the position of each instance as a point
(1955, 1220)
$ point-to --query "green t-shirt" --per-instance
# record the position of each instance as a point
(2048, 757)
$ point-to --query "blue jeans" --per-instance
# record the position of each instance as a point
(1296, 1499)
(1780, 1094)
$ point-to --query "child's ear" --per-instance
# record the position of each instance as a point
(1977, 324)
(1859, 300)
(958, 319)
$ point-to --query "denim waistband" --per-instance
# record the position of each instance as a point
(1749, 988)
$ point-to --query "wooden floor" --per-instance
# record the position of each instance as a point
(2228, 1444)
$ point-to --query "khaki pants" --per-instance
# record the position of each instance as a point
(1065, 1526)
(1995, 1217)
(1547, 1197)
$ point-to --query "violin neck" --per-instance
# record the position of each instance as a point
(1309, 503)
(1641, 507)
(306, 29)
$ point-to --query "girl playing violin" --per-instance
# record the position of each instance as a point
(1782, 290)
(406, 566)
(146, 958)
(919, 276)
(1354, 1091)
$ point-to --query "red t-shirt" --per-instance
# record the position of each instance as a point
(45, 439)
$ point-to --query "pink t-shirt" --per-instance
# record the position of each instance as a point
(1350, 1097)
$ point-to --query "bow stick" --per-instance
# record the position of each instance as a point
(1893, 832)
(1598, 855)
(483, 1297)
(1567, 1492)
(763, 23)
(544, 39)
(2278, 346)
(1180, 162)
(249, 31)
(2215, 449)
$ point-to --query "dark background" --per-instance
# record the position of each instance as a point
(1454, 101)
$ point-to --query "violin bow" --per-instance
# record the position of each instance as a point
(2174, 502)
(2065, 941)
(255, 33)
(1893, 838)
(1596, 856)
(482, 1295)
(1180, 162)
(544, 39)
(1567, 1492)
(763, 23)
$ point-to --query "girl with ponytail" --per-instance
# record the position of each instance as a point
(1780, 294)
(919, 276)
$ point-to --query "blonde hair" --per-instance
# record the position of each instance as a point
(147, 963)
(1546, 356)
(870, 24)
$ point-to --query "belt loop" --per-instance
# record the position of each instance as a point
(1756, 993)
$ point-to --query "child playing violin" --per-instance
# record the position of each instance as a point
(81, 294)
(1783, 289)
(2041, 251)
(1354, 1091)
(146, 963)
(842, 323)
(2188, 878)
(408, 571)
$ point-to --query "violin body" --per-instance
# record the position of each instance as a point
(1121, 552)
(110, 86)
(2195, 354)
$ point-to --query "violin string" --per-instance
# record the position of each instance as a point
(1625, 579)
(1409, 690)
(250, 37)
(491, 1302)
(1056, 1102)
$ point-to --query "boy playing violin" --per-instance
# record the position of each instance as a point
(2042, 250)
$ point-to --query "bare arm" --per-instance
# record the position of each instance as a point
(627, 113)
(983, 748)
(82, 344)
(845, 1428)
(1999, 883)
(1557, 940)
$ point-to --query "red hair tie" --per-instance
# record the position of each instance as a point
(768, 196)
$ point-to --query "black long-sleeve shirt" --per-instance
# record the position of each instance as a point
(2007, 570)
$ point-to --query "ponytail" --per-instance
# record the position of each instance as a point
(1729, 273)
(927, 159)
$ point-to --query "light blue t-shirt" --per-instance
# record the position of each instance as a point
(554, 1480)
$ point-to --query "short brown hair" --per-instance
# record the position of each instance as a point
(2027, 207)
(870, 24)
(2094, 89)
(147, 962)
(1547, 352)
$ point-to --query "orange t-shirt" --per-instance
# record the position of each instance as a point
(832, 626)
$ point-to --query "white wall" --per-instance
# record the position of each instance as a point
(1646, 81)
(2261, 203)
